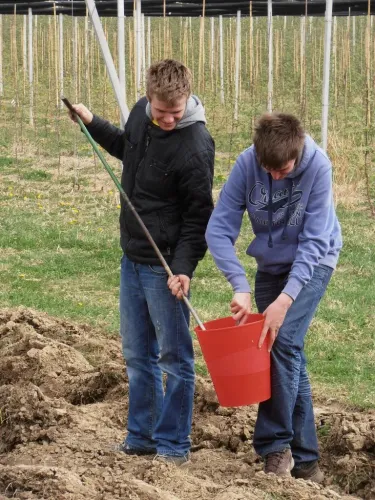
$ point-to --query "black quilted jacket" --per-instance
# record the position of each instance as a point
(168, 177)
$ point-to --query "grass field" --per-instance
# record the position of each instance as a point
(60, 254)
(59, 235)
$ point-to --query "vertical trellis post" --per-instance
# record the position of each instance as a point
(212, 51)
(221, 59)
(303, 66)
(1, 56)
(56, 56)
(88, 59)
(251, 47)
(326, 68)
(35, 49)
(121, 51)
(107, 57)
(270, 56)
(61, 56)
(165, 26)
(75, 58)
(334, 53)
(201, 61)
(149, 42)
(368, 132)
(31, 88)
(143, 51)
(237, 70)
(138, 46)
(24, 45)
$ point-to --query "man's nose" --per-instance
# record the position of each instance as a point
(168, 119)
(276, 176)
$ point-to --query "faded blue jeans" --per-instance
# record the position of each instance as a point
(287, 419)
(155, 340)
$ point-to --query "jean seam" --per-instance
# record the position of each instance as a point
(152, 395)
(177, 305)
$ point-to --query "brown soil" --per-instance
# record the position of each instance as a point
(63, 404)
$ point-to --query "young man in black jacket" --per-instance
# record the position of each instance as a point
(168, 158)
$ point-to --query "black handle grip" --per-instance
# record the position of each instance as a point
(68, 104)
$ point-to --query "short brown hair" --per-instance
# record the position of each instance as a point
(168, 80)
(278, 138)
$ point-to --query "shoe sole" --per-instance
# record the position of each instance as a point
(139, 453)
(315, 478)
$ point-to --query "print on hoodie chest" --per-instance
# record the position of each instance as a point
(258, 199)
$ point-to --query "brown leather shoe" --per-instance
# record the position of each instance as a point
(279, 463)
(309, 472)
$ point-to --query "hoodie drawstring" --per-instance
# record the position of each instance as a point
(269, 207)
(284, 235)
(270, 242)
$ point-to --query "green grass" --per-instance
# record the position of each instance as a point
(37, 175)
(60, 254)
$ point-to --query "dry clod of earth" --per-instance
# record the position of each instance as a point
(63, 404)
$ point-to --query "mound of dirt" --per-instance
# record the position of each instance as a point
(63, 405)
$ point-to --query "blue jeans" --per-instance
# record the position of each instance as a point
(155, 340)
(287, 419)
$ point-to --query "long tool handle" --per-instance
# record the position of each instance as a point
(130, 205)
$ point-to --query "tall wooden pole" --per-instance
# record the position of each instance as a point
(143, 36)
(31, 87)
(201, 62)
(138, 47)
(107, 58)
(326, 68)
(1, 57)
(149, 42)
(61, 57)
(212, 62)
(221, 59)
(251, 47)
(237, 69)
(270, 57)
(121, 50)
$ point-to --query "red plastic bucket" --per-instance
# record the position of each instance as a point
(240, 371)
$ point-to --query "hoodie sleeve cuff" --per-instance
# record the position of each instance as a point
(239, 284)
(293, 287)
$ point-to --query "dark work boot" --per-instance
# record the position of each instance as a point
(309, 471)
(279, 463)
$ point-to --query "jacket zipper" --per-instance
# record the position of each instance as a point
(148, 140)
(161, 220)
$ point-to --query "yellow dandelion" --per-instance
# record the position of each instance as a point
(118, 206)
(10, 195)
(25, 198)
(39, 196)
(22, 275)
(73, 221)
(100, 229)
(80, 304)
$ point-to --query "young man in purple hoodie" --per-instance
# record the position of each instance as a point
(284, 181)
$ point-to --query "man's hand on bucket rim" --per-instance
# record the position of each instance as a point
(274, 317)
(240, 307)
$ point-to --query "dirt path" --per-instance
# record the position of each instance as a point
(63, 402)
